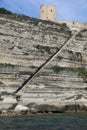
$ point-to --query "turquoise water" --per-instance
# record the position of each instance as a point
(45, 122)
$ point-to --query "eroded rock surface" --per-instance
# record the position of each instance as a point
(26, 44)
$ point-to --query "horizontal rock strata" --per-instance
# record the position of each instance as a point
(25, 45)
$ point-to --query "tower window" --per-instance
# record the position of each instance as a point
(51, 10)
(42, 11)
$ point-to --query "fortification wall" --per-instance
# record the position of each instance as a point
(72, 24)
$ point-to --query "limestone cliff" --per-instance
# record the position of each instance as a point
(43, 66)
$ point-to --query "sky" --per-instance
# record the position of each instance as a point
(72, 10)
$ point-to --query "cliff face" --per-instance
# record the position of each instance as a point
(46, 61)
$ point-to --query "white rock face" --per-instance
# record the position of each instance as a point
(21, 108)
(7, 102)
(24, 47)
(8, 99)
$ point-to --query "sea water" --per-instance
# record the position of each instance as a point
(45, 122)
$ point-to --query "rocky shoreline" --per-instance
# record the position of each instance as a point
(53, 110)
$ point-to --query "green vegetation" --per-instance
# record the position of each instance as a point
(75, 56)
(56, 68)
(26, 53)
(33, 67)
(83, 73)
(6, 65)
(46, 108)
(4, 11)
(43, 48)
(25, 73)
(84, 30)
(80, 71)
(64, 25)
(79, 35)
(18, 97)
(60, 57)
(64, 28)
(35, 22)
(79, 97)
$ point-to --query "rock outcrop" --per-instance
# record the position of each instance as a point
(47, 61)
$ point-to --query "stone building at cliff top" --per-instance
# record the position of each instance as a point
(49, 12)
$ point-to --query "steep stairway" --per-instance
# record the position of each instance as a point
(26, 82)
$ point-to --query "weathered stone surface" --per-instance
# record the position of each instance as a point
(19, 108)
(25, 44)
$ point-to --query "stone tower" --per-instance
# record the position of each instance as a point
(48, 12)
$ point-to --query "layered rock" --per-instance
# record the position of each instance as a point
(25, 45)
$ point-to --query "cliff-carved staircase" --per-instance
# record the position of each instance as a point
(27, 81)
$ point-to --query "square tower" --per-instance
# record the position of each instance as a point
(48, 12)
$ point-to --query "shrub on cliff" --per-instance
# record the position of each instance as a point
(4, 11)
